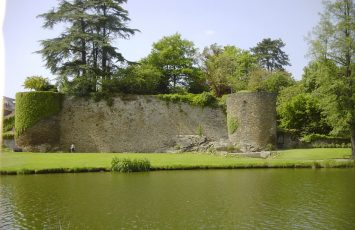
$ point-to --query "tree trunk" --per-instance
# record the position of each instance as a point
(83, 46)
(353, 141)
(104, 51)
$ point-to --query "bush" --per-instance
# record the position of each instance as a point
(203, 99)
(315, 137)
(127, 165)
(326, 141)
(270, 147)
(31, 107)
(39, 83)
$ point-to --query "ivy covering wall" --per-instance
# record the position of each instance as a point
(32, 107)
(7, 128)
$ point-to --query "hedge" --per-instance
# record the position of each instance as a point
(31, 107)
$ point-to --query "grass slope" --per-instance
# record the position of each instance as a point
(16, 163)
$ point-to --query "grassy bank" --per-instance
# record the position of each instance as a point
(26, 163)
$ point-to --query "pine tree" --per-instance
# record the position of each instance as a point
(83, 55)
(270, 54)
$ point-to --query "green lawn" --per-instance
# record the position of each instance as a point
(11, 162)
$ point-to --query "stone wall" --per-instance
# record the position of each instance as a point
(148, 124)
(44, 136)
(135, 124)
(251, 118)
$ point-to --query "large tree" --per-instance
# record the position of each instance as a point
(83, 55)
(226, 68)
(270, 55)
(263, 80)
(301, 113)
(332, 46)
(176, 59)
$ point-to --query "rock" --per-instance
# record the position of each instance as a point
(191, 143)
(223, 145)
(262, 154)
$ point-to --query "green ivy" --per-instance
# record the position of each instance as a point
(232, 124)
(31, 107)
(203, 99)
(200, 130)
(8, 124)
(8, 135)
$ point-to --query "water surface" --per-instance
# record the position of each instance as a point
(196, 199)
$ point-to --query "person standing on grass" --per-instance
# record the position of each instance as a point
(72, 148)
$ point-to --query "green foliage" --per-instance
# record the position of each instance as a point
(270, 55)
(203, 99)
(38, 83)
(326, 141)
(274, 82)
(335, 95)
(128, 165)
(8, 135)
(141, 78)
(174, 58)
(84, 49)
(314, 137)
(277, 81)
(31, 107)
(286, 94)
(108, 97)
(302, 113)
(331, 145)
(226, 68)
(8, 124)
(200, 130)
(332, 46)
(232, 125)
(310, 76)
(270, 147)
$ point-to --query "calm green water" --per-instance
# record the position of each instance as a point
(210, 199)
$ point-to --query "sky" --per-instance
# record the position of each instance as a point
(242, 23)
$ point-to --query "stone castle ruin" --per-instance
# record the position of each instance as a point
(137, 123)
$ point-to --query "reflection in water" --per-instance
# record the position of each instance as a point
(210, 199)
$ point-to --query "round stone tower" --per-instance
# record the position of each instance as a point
(251, 120)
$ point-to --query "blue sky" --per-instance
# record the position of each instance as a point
(225, 22)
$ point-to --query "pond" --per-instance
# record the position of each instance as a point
(195, 199)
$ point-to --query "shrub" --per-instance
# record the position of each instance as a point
(105, 95)
(127, 165)
(270, 147)
(203, 99)
(31, 107)
(39, 83)
(232, 124)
